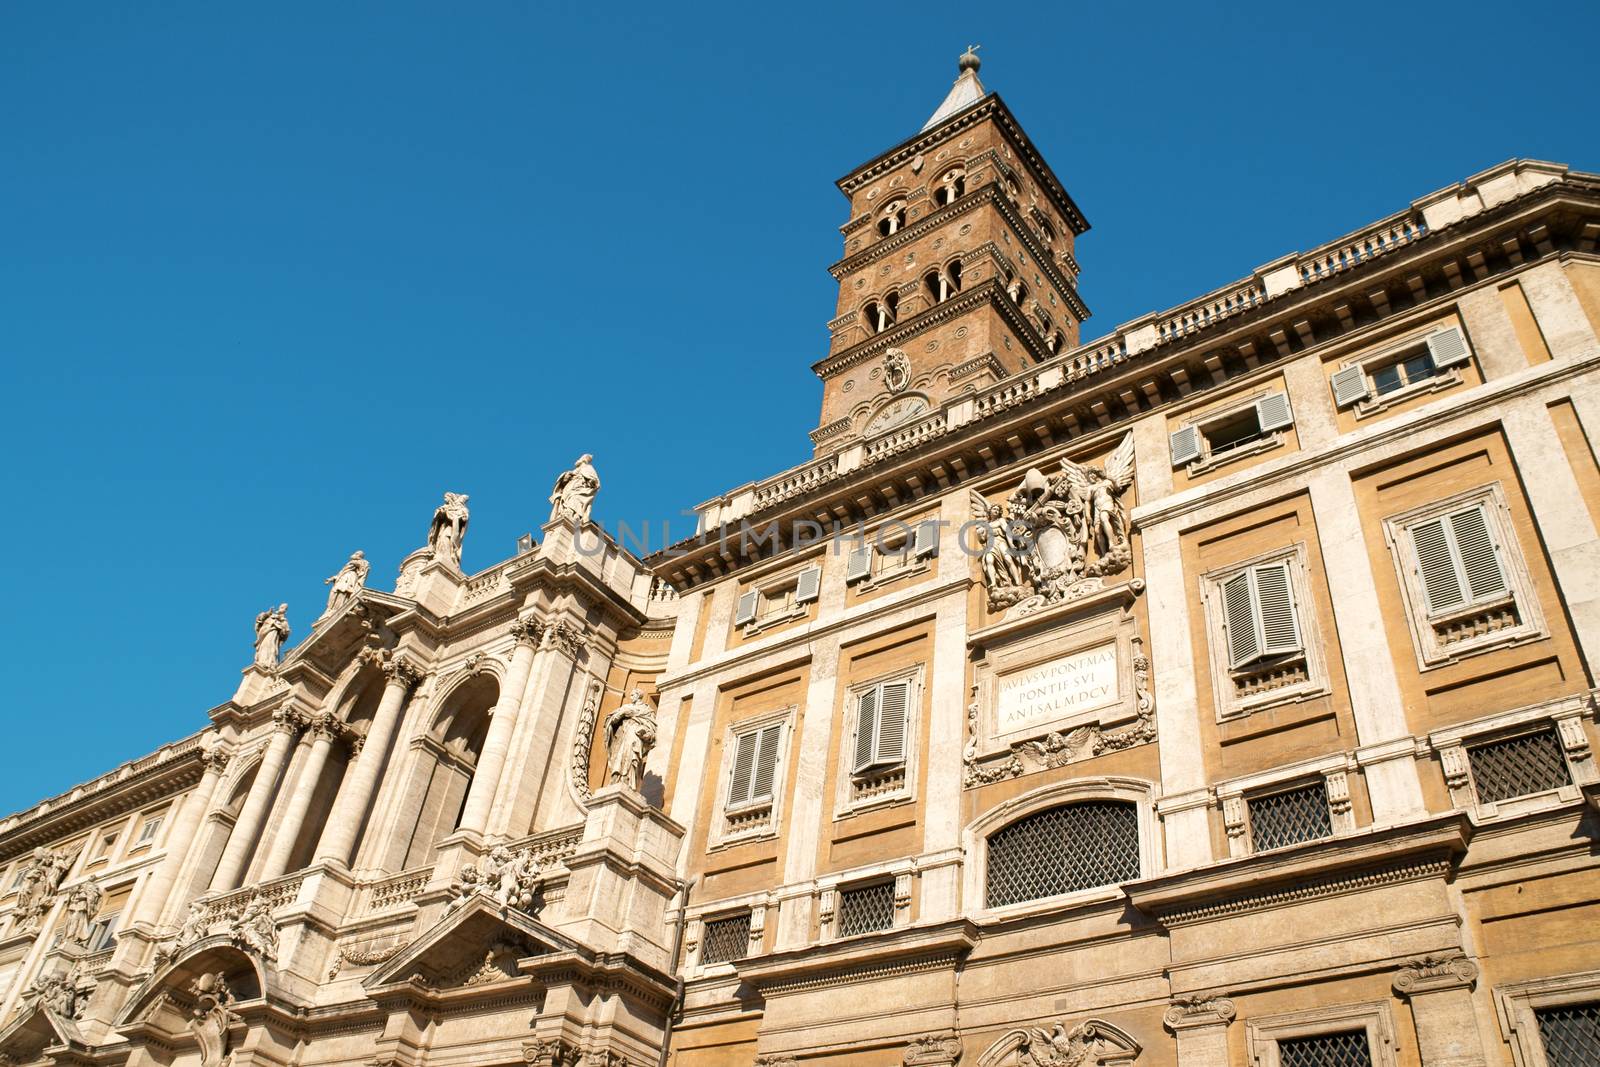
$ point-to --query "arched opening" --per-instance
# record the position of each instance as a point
(892, 219)
(447, 759)
(944, 283)
(880, 314)
(356, 708)
(218, 829)
(952, 183)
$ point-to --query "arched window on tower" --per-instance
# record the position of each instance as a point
(1047, 233)
(943, 283)
(951, 185)
(879, 315)
(1055, 342)
(892, 219)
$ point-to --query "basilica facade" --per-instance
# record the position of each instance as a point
(1219, 692)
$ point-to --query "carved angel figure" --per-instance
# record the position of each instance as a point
(630, 735)
(195, 925)
(57, 992)
(82, 905)
(350, 580)
(1004, 572)
(575, 491)
(37, 891)
(1101, 489)
(468, 883)
(272, 630)
(449, 529)
(256, 930)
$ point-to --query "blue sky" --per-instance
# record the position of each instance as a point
(276, 276)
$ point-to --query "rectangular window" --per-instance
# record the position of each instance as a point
(1260, 617)
(1347, 1048)
(755, 764)
(1570, 1034)
(1237, 432)
(1289, 817)
(865, 908)
(726, 939)
(881, 726)
(151, 827)
(102, 935)
(1416, 366)
(1262, 630)
(1518, 766)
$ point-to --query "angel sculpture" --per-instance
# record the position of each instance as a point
(1004, 574)
(1100, 489)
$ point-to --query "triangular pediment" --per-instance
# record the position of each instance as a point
(30, 1034)
(333, 641)
(478, 943)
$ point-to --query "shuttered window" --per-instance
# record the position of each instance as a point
(749, 603)
(755, 765)
(881, 725)
(1259, 617)
(858, 565)
(1458, 560)
(808, 585)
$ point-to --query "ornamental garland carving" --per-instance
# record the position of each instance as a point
(1057, 537)
(1059, 748)
(583, 741)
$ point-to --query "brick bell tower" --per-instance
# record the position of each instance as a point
(957, 270)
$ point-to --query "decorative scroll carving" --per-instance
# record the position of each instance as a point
(1427, 974)
(272, 630)
(509, 879)
(896, 370)
(932, 1050)
(975, 775)
(212, 1018)
(549, 1052)
(395, 666)
(774, 1061)
(575, 490)
(1188, 1012)
(1057, 537)
(37, 889)
(583, 740)
(565, 638)
(529, 631)
(347, 583)
(630, 735)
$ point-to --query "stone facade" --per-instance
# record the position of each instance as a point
(1218, 692)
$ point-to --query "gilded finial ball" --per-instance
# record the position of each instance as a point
(969, 59)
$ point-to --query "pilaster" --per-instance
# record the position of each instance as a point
(1440, 991)
(1200, 1024)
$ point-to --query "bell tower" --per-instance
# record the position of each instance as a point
(957, 271)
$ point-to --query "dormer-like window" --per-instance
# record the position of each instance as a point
(892, 219)
(944, 283)
(951, 185)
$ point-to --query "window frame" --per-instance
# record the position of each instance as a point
(846, 801)
(777, 599)
(1332, 771)
(1263, 1034)
(826, 899)
(1206, 459)
(1431, 651)
(1229, 704)
(1566, 716)
(912, 553)
(721, 834)
(1516, 1002)
(1371, 402)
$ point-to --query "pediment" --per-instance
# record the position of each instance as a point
(335, 640)
(477, 944)
(27, 1037)
(164, 1000)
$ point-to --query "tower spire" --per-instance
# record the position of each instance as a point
(967, 90)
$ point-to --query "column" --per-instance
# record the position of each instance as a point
(538, 768)
(1440, 991)
(247, 828)
(180, 839)
(323, 729)
(502, 721)
(1374, 687)
(1200, 1023)
(355, 794)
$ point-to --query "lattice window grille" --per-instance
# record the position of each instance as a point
(1518, 766)
(1063, 850)
(1289, 817)
(725, 939)
(1571, 1034)
(1348, 1048)
(863, 909)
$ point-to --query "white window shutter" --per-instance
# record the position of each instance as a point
(808, 585)
(766, 763)
(1280, 628)
(1239, 619)
(1185, 446)
(1448, 348)
(858, 565)
(1272, 412)
(747, 608)
(1480, 558)
(1350, 386)
(892, 723)
(866, 727)
(926, 540)
(744, 762)
(1435, 567)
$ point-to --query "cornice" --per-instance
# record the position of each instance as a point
(905, 950)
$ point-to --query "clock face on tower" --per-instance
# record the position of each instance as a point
(898, 411)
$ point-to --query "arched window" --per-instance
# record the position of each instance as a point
(1063, 850)
(879, 315)
(944, 283)
(1018, 292)
(1054, 342)
(892, 219)
(951, 185)
(1047, 233)
(449, 757)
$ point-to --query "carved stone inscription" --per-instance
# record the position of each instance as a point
(1047, 692)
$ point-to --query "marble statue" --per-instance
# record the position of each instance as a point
(272, 630)
(195, 925)
(575, 491)
(37, 889)
(350, 580)
(510, 879)
(56, 991)
(630, 735)
(256, 931)
(212, 1018)
(449, 529)
(82, 906)
(1057, 537)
